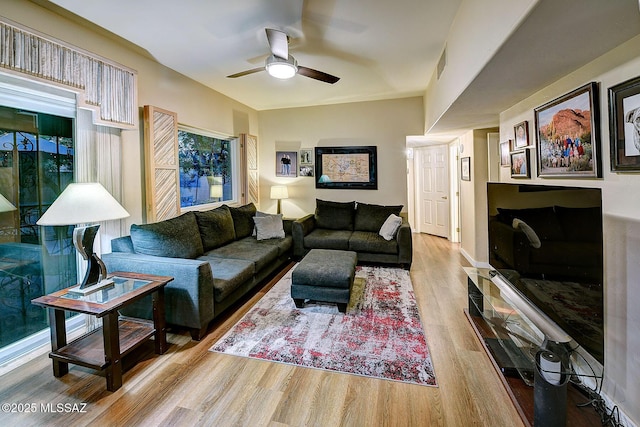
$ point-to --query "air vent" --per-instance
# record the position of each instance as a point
(442, 62)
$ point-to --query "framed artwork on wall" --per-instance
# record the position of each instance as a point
(505, 148)
(568, 135)
(521, 133)
(465, 168)
(520, 166)
(287, 163)
(347, 167)
(624, 126)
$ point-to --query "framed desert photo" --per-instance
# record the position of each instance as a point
(624, 122)
(568, 135)
(465, 168)
(505, 147)
(520, 164)
(521, 133)
(287, 163)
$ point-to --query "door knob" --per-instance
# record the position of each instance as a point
(444, 197)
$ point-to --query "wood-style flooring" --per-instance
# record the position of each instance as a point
(190, 386)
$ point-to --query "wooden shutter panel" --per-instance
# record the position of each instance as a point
(161, 163)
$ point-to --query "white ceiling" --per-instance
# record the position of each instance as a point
(380, 49)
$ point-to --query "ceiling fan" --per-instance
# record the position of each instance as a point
(282, 65)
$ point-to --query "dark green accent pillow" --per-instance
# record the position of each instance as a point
(177, 237)
(243, 220)
(371, 217)
(216, 227)
(335, 215)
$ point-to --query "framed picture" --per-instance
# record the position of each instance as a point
(521, 132)
(505, 148)
(306, 170)
(568, 135)
(624, 123)
(287, 163)
(520, 164)
(306, 156)
(347, 167)
(465, 168)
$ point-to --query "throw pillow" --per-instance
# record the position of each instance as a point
(371, 217)
(269, 227)
(177, 237)
(216, 227)
(335, 215)
(243, 219)
(534, 240)
(390, 227)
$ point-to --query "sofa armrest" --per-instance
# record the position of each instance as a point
(188, 298)
(300, 228)
(405, 244)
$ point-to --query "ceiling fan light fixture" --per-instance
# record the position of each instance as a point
(281, 68)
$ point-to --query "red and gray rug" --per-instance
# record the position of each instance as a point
(380, 335)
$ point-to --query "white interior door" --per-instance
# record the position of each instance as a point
(433, 190)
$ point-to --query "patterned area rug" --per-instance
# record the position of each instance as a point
(380, 335)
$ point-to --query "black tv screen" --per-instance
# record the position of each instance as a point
(547, 242)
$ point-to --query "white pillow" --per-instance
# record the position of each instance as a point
(390, 227)
(534, 240)
(269, 227)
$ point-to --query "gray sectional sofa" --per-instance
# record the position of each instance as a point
(354, 227)
(213, 256)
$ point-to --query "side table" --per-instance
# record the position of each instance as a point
(119, 335)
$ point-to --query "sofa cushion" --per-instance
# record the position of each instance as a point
(390, 227)
(283, 245)
(228, 275)
(248, 249)
(372, 217)
(243, 220)
(542, 220)
(322, 238)
(216, 227)
(368, 241)
(335, 215)
(177, 237)
(268, 227)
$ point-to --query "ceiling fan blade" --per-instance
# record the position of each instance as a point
(278, 42)
(318, 75)
(244, 73)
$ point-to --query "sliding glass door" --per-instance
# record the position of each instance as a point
(36, 164)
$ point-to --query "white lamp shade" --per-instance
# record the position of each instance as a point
(279, 192)
(83, 203)
(6, 205)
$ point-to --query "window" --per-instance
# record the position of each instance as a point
(208, 168)
(36, 164)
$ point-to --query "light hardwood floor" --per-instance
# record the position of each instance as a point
(190, 386)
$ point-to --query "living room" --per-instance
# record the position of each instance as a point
(386, 124)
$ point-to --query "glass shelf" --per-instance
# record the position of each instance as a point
(511, 337)
(119, 287)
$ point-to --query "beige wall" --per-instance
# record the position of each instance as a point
(478, 30)
(621, 208)
(195, 104)
(473, 197)
(384, 124)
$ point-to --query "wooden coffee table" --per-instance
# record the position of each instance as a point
(103, 348)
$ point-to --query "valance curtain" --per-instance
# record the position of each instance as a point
(104, 86)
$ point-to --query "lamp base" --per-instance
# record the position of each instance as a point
(79, 290)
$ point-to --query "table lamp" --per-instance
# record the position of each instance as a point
(279, 192)
(85, 203)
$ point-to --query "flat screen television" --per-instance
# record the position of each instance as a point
(546, 242)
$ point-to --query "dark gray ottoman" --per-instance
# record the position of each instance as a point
(324, 275)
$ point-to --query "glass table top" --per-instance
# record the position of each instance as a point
(119, 287)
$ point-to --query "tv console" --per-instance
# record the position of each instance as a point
(511, 340)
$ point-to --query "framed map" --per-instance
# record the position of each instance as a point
(346, 167)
